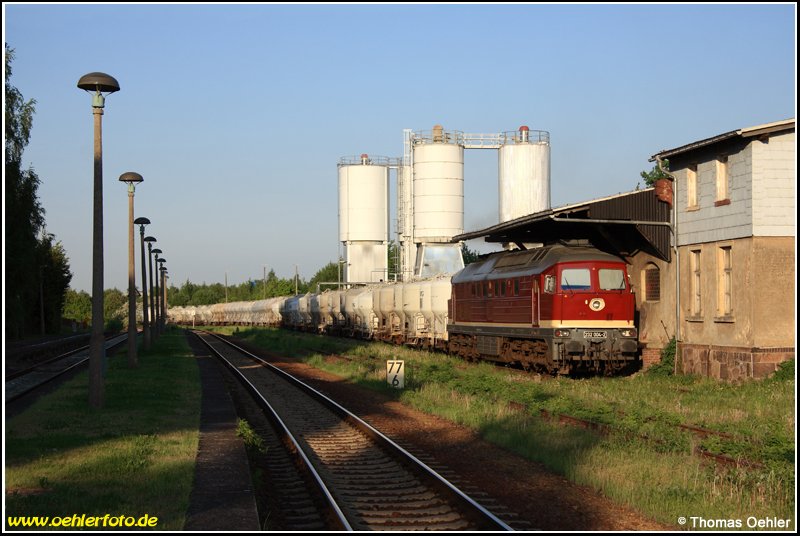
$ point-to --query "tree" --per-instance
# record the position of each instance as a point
(78, 306)
(650, 177)
(327, 274)
(115, 309)
(39, 270)
(54, 278)
(469, 255)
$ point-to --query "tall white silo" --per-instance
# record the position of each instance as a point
(438, 200)
(364, 217)
(524, 173)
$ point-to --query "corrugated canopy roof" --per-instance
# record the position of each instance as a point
(620, 224)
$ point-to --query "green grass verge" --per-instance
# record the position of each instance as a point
(645, 461)
(134, 457)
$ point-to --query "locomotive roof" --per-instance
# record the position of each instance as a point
(529, 261)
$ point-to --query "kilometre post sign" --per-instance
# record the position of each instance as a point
(395, 374)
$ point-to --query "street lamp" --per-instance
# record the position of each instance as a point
(153, 333)
(156, 295)
(97, 84)
(163, 296)
(141, 222)
(160, 303)
(132, 179)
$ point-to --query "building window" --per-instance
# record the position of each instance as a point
(722, 181)
(697, 298)
(725, 282)
(516, 287)
(691, 186)
(652, 283)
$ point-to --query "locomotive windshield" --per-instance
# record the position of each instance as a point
(580, 279)
(576, 279)
(612, 279)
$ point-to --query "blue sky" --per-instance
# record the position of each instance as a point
(237, 114)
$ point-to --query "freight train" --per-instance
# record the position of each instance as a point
(557, 309)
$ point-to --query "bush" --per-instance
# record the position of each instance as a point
(785, 371)
(114, 325)
(667, 365)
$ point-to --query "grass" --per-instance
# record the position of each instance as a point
(133, 457)
(641, 459)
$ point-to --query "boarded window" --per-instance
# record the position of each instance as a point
(724, 278)
(652, 283)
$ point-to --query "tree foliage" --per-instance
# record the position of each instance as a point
(37, 275)
(251, 290)
(650, 177)
(469, 255)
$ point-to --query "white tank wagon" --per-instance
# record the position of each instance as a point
(523, 173)
(425, 305)
(389, 325)
(257, 315)
(366, 317)
(177, 315)
(330, 308)
(275, 306)
(304, 312)
(413, 297)
(317, 323)
(204, 315)
(290, 312)
(353, 326)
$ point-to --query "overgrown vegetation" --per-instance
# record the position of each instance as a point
(134, 457)
(666, 367)
(638, 455)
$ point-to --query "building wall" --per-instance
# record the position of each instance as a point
(774, 175)
(708, 220)
(655, 318)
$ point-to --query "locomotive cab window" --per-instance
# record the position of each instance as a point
(576, 279)
(550, 284)
(611, 279)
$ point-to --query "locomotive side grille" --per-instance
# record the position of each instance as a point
(488, 345)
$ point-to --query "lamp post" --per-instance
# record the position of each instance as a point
(161, 309)
(150, 241)
(265, 280)
(163, 297)
(156, 295)
(97, 84)
(131, 179)
(141, 222)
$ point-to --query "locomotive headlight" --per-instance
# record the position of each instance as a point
(562, 333)
(628, 332)
(597, 304)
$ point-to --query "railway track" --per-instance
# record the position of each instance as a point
(363, 480)
(22, 382)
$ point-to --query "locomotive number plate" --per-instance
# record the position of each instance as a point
(594, 334)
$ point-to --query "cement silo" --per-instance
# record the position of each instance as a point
(523, 173)
(438, 200)
(364, 217)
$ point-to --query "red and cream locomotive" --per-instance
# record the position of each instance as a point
(559, 309)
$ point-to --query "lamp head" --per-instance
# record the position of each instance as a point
(98, 83)
(130, 177)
